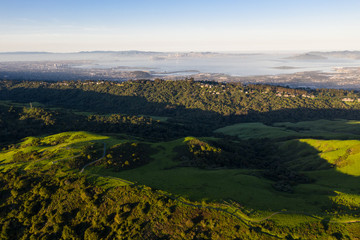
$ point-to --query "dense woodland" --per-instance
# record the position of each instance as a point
(191, 108)
(37, 205)
(189, 101)
(20, 122)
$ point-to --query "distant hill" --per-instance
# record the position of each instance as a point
(307, 56)
(130, 52)
(339, 54)
(326, 55)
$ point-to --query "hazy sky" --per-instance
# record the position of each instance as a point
(179, 25)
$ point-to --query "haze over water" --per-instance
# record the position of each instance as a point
(235, 64)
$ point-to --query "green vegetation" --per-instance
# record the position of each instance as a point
(110, 160)
(125, 156)
(81, 193)
(203, 104)
(71, 146)
(328, 129)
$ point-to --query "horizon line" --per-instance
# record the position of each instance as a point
(185, 51)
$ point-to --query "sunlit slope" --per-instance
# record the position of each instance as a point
(47, 150)
(343, 155)
(317, 154)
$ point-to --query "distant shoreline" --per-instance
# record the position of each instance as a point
(286, 67)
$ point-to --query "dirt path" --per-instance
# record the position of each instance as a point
(86, 165)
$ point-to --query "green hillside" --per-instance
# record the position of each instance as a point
(131, 161)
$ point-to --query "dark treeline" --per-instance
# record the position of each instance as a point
(20, 122)
(200, 103)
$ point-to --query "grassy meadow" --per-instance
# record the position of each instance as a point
(334, 166)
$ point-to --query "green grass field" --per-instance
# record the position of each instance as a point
(317, 158)
(240, 185)
(51, 148)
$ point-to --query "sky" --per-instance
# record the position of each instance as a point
(179, 25)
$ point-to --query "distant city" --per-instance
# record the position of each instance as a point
(339, 70)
